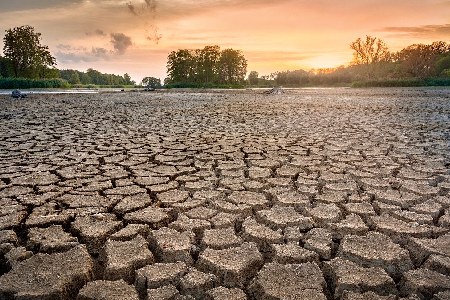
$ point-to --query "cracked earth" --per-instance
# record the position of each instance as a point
(312, 194)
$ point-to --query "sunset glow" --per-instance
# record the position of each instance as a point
(136, 37)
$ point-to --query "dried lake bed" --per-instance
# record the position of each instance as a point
(311, 194)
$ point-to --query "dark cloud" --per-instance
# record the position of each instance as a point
(99, 52)
(146, 12)
(151, 5)
(98, 32)
(74, 56)
(419, 31)
(120, 42)
(132, 8)
(21, 5)
(153, 34)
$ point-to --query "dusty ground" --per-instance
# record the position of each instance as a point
(312, 194)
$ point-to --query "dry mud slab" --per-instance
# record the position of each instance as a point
(310, 194)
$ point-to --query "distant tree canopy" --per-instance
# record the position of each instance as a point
(28, 58)
(253, 78)
(206, 66)
(151, 82)
(95, 77)
(423, 61)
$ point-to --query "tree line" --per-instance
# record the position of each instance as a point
(209, 66)
(374, 64)
(94, 77)
(25, 57)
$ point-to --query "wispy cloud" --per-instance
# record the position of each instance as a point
(120, 42)
(21, 5)
(437, 31)
(69, 54)
(132, 8)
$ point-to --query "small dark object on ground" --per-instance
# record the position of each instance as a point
(122, 90)
(274, 91)
(17, 94)
(149, 89)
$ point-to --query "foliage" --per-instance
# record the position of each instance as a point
(420, 60)
(94, 77)
(369, 54)
(6, 68)
(374, 65)
(406, 82)
(30, 59)
(151, 82)
(253, 78)
(369, 51)
(232, 67)
(27, 83)
(208, 66)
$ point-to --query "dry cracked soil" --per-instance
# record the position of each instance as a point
(311, 194)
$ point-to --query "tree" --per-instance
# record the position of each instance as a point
(22, 45)
(127, 79)
(420, 60)
(74, 78)
(206, 66)
(370, 55)
(253, 78)
(208, 62)
(181, 66)
(233, 66)
(151, 82)
(5, 67)
(369, 51)
(443, 65)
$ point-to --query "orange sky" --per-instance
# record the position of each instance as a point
(136, 36)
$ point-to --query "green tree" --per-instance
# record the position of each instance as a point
(208, 62)
(420, 60)
(22, 45)
(151, 82)
(233, 67)
(127, 79)
(6, 69)
(206, 66)
(443, 65)
(181, 66)
(253, 78)
(74, 78)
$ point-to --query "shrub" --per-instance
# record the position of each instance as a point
(25, 83)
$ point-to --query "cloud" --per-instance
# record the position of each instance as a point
(152, 34)
(151, 5)
(420, 31)
(132, 8)
(120, 42)
(69, 54)
(22, 5)
(98, 32)
(99, 52)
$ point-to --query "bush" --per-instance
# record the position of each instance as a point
(25, 83)
(409, 82)
(183, 85)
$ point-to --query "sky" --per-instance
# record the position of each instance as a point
(136, 36)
